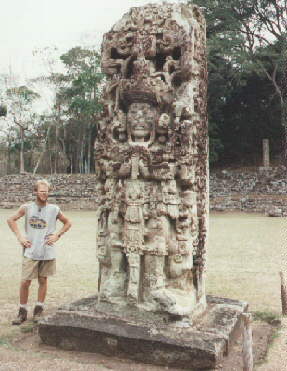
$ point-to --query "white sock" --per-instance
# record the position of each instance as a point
(40, 304)
(23, 306)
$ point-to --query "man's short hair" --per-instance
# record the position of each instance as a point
(41, 181)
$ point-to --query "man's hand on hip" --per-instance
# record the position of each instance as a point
(52, 238)
(24, 242)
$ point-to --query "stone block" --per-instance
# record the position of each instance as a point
(156, 338)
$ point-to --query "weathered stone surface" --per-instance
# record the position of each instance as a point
(124, 331)
(151, 160)
(250, 191)
(70, 191)
(274, 211)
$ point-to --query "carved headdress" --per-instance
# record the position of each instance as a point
(138, 91)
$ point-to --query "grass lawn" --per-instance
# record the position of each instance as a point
(245, 254)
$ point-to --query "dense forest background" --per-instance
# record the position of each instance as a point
(246, 46)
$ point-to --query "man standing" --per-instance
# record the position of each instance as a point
(39, 253)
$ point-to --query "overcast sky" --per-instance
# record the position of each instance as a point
(29, 24)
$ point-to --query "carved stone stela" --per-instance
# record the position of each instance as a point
(152, 181)
(151, 161)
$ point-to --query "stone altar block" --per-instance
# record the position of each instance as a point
(122, 331)
(151, 158)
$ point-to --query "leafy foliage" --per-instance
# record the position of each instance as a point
(20, 118)
(245, 43)
(247, 94)
(80, 102)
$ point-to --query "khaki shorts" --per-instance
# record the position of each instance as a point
(37, 268)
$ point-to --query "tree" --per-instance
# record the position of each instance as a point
(80, 102)
(266, 49)
(50, 84)
(69, 123)
(251, 113)
(247, 37)
(224, 43)
(19, 112)
(260, 26)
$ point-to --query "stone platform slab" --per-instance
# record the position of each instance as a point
(143, 336)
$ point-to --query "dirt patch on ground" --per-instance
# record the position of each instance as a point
(263, 335)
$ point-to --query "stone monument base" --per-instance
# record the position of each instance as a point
(122, 331)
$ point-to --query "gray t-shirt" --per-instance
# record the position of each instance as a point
(40, 222)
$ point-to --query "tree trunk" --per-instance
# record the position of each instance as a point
(51, 162)
(284, 128)
(22, 166)
(8, 166)
(81, 160)
(89, 150)
(43, 151)
(57, 149)
(283, 99)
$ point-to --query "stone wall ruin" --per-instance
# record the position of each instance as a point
(230, 190)
(151, 161)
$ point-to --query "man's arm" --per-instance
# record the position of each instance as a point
(12, 222)
(66, 226)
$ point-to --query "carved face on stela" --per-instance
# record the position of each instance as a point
(141, 120)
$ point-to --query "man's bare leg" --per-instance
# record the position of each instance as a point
(42, 290)
(24, 291)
